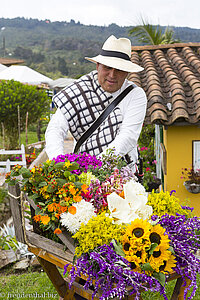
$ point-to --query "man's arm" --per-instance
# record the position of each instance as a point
(55, 134)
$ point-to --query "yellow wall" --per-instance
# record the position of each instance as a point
(178, 144)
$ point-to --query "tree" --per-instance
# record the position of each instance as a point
(153, 35)
(14, 94)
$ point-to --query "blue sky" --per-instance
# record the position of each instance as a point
(104, 12)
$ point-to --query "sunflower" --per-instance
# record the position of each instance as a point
(134, 263)
(158, 236)
(160, 254)
(126, 243)
(168, 264)
(139, 230)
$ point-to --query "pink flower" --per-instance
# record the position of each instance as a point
(148, 169)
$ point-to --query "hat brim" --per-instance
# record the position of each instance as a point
(116, 63)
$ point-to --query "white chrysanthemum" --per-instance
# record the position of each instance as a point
(125, 210)
(84, 212)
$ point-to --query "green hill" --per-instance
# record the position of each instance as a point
(58, 48)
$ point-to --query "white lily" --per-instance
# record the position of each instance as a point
(125, 210)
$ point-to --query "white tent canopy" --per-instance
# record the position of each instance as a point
(24, 74)
(2, 67)
(61, 82)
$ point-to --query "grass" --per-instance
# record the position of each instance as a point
(33, 285)
(30, 285)
(32, 138)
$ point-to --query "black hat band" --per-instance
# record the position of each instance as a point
(115, 54)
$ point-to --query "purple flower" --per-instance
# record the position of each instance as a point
(172, 191)
(112, 273)
(185, 240)
(85, 161)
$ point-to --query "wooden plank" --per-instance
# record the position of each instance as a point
(57, 261)
(49, 245)
(15, 206)
(55, 276)
(66, 238)
(7, 257)
(78, 289)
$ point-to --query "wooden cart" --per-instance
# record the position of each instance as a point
(52, 255)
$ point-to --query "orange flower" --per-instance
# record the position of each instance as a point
(63, 209)
(121, 194)
(57, 216)
(37, 218)
(77, 198)
(57, 230)
(72, 190)
(52, 207)
(84, 188)
(45, 219)
(66, 199)
(72, 210)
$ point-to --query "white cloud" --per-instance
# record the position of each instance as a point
(121, 12)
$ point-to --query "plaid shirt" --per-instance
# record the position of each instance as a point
(81, 103)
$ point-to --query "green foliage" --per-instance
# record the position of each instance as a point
(146, 147)
(3, 194)
(14, 94)
(153, 35)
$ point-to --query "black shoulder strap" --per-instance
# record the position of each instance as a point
(102, 117)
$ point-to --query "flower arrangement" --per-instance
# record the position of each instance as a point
(191, 175)
(123, 236)
(192, 180)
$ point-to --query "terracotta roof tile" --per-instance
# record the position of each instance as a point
(171, 80)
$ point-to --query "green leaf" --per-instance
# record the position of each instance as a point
(171, 249)
(43, 183)
(147, 267)
(152, 248)
(59, 166)
(25, 173)
(60, 181)
(37, 211)
(41, 203)
(118, 248)
(67, 174)
(73, 166)
(160, 277)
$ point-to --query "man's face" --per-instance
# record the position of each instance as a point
(109, 78)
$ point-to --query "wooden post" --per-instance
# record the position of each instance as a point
(15, 205)
(55, 277)
(18, 110)
(26, 128)
(3, 135)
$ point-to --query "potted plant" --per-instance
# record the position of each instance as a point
(192, 180)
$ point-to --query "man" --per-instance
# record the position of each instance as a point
(79, 105)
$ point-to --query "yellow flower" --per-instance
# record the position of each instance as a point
(158, 257)
(139, 230)
(158, 236)
(67, 164)
(98, 231)
(33, 170)
(168, 264)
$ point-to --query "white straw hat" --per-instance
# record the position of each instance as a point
(116, 53)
